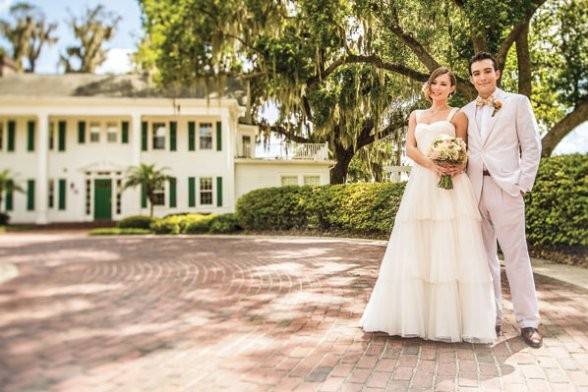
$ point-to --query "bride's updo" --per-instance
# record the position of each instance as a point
(436, 73)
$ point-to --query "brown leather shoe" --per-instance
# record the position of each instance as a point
(532, 337)
(498, 329)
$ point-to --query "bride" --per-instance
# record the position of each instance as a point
(434, 280)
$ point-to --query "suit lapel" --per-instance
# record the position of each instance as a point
(501, 96)
(473, 125)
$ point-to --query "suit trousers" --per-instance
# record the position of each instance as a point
(503, 219)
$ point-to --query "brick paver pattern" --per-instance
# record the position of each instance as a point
(245, 314)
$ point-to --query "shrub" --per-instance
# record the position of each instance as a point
(136, 222)
(4, 219)
(280, 208)
(118, 231)
(225, 223)
(557, 209)
(358, 208)
(197, 224)
(169, 225)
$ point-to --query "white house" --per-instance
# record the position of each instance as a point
(69, 140)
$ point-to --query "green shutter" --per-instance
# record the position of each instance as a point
(191, 192)
(191, 136)
(30, 195)
(31, 135)
(62, 127)
(219, 191)
(9, 196)
(144, 126)
(219, 134)
(11, 134)
(62, 193)
(81, 132)
(173, 130)
(172, 192)
(143, 196)
(125, 132)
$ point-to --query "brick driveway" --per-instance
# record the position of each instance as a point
(244, 313)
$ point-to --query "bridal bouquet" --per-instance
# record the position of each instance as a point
(446, 150)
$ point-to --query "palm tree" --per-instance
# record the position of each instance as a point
(8, 183)
(149, 178)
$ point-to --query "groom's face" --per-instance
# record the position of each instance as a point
(484, 77)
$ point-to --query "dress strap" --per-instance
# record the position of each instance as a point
(452, 113)
(418, 113)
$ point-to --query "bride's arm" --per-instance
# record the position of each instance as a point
(460, 121)
(413, 152)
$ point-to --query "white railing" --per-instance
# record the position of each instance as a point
(291, 150)
(398, 173)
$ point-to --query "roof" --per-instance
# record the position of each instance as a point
(92, 85)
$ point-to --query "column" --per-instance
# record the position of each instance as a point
(41, 183)
(136, 139)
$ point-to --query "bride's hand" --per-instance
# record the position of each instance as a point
(454, 170)
(438, 169)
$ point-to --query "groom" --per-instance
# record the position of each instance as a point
(505, 149)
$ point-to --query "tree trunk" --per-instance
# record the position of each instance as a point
(564, 126)
(343, 157)
(151, 208)
(524, 62)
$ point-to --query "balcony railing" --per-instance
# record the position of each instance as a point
(287, 151)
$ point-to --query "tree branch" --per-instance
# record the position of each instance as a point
(524, 62)
(518, 29)
(564, 126)
(281, 130)
(418, 49)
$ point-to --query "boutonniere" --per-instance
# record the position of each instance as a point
(497, 104)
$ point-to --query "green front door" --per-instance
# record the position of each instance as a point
(102, 199)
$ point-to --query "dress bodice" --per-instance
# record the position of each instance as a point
(425, 133)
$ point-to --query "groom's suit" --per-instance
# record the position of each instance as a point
(504, 154)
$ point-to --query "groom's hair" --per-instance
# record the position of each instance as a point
(482, 56)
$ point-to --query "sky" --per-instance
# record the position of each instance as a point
(129, 34)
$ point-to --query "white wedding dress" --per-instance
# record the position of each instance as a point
(434, 281)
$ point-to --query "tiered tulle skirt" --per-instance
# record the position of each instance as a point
(434, 280)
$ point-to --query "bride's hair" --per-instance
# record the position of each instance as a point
(434, 75)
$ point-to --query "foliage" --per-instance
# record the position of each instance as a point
(344, 71)
(183, 224)
(96, 27)
(149, 178)
(224, 223)
(28, 33)
(557, 209)
(8, 183)
(136, 222)
(356, 208)
(118, 231)
(4, 219)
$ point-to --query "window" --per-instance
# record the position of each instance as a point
(94, 132)
(289, 180)
(159, 199)
(205, 190)
(51, 135)
(1, 134)
(111, 132)
(51, 192)
(206, 136)
(312, 180)
(246, 146)
(159, 131)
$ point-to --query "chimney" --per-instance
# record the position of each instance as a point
(7, 66)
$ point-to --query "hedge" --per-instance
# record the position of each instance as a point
(556, 212)
(118, 231)
(135, 222)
